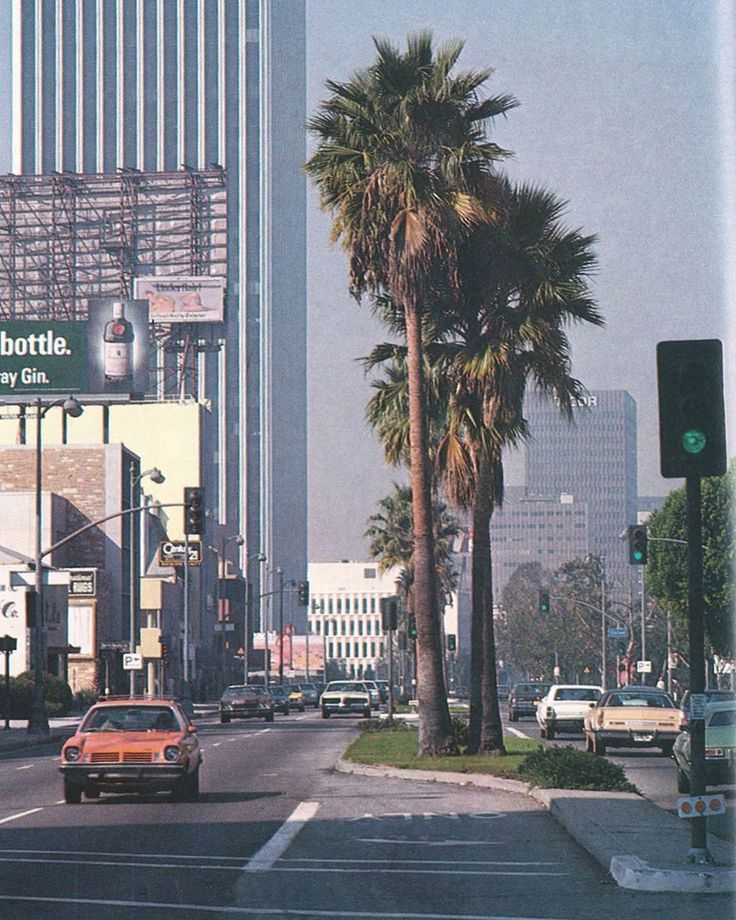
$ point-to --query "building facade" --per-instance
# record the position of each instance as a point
(108, 86)
(593, 459)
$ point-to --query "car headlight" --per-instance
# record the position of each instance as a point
(171, 753)
(72, 754)
(226, 705)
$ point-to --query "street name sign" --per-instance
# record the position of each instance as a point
(617, 632)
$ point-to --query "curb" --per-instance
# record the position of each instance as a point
(627, 870)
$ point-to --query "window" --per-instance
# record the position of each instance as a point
(369, 573)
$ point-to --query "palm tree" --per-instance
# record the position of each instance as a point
(522, 280)
(401, 157)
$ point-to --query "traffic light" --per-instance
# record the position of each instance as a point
(412, 628)
(638, 544)
(692, 427)
(389, 613)
(165, 649)
(193, 510)
(451, 642)
(303, 593)
(544, 601)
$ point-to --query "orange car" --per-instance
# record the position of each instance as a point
(132, 745)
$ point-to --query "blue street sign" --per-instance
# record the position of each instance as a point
(617, 632)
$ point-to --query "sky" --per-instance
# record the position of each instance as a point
(627, 113)
(626, 107)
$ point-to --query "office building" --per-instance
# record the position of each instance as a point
(115, 87)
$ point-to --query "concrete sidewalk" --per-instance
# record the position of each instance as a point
(642, 846)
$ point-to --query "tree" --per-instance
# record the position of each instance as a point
(401, 156)
(667, 568)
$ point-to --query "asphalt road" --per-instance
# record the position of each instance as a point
(278, 833)
(654, 775)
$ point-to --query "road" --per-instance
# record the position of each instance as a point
(654, 775)
(277, 833)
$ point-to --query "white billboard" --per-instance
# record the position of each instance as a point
(182, 299)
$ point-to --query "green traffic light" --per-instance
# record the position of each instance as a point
(693, 441)
(638, 555)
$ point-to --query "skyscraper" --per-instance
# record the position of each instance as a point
(160, 85)
(592, 459)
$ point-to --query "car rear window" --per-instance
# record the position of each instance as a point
(653, 701)
(578, 693)
(724, 717)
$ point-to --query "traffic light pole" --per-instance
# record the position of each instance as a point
(696, 635)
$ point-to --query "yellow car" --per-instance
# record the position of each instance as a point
(296, 698)
(632, 717)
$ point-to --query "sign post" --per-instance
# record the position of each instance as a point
(8, 644)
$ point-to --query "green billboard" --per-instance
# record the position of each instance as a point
(42, 357)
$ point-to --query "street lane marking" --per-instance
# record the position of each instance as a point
(522, 873)
(262, 911)
(28, 766)
(432, 843)
(137, 855)
(418, 862)
(515, 731)
(272, 850)
(21, 814)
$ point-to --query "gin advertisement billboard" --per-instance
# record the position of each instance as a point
(38, 357)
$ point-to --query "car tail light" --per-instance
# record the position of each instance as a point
(714, 752)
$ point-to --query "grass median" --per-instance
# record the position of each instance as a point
(398, 749)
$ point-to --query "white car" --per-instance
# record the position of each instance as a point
(345, 696)
(375, 693)
(564, 707)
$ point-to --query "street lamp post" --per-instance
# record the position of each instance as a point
(249, 618)
(280, 573)
(38, 722)
(158, 477)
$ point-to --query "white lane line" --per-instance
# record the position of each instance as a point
(21, 814)
(417, 862)
(523, 873)
(217, 744)
(28, 766)
(137, 855)
(272, 850)
(515, 731)
(202, 909)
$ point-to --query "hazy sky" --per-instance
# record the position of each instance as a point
(626, 113)
(622, 115)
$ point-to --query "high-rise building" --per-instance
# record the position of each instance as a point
(102, 86)
(593, 459)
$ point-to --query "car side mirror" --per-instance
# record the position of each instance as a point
(191, 729)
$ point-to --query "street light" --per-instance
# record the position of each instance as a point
(38, 722)
(155, 475)
(249, 617)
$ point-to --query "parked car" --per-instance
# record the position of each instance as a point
(524, 697)
(346, 696)
(374, 692)
(564, 706)
(720, 748)
(246, 701)
(296, 697)
(311, 696)
(634, 717)
(280, 698)
(712, 695)
(130, 745)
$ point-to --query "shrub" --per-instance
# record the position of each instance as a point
(57, 695)
(460, 731)
(83, 699)
(569, 768)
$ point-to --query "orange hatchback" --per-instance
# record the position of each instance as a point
(132, 745)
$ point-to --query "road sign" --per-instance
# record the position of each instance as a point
(697, 706)
(132, 662)
(171, 552)
(643, 667)
(83, 583)
(701, 806)
(618, 632)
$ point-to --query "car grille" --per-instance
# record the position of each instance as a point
(105, 757)
(127, 757)
(138, 757)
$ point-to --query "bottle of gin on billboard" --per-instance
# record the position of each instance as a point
(118, 351)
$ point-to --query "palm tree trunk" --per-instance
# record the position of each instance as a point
(435, 730)
(481, 514)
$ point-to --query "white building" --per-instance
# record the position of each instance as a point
(345, 611)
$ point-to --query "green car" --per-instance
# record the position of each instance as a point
(720, 748)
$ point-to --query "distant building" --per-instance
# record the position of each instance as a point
(593, 459)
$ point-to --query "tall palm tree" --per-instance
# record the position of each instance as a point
(401, 157)
(522, 280)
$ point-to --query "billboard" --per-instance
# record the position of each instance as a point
(183, 299)
(38, 357)
(117, 346)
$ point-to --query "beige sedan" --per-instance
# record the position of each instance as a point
(632, 717)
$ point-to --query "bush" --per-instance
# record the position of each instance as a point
(84, 699)
(57, 695)
(569, 768)
(460, 731)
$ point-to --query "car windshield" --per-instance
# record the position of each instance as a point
(578, 693)
(344, 685)
(131, 719)
(239, 691)
(531, 688)
(651, 700)
(722, 717)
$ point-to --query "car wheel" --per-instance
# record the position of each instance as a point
(667, 750)
(542, 731)
(599, 746)
(550, 733)
(286, 710)
(191, 789)
(224, 719)
(325, 714)
(72, 792)
(367, 713)
(683, 782)
(513, 716)
(269, 716)
(588, 743)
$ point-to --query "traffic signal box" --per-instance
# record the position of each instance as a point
(451, 642)
(638, 543)
(544, 602)
(412, 628)
(692, 429)
(193, 510)
(303, 593)
(389, 613)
